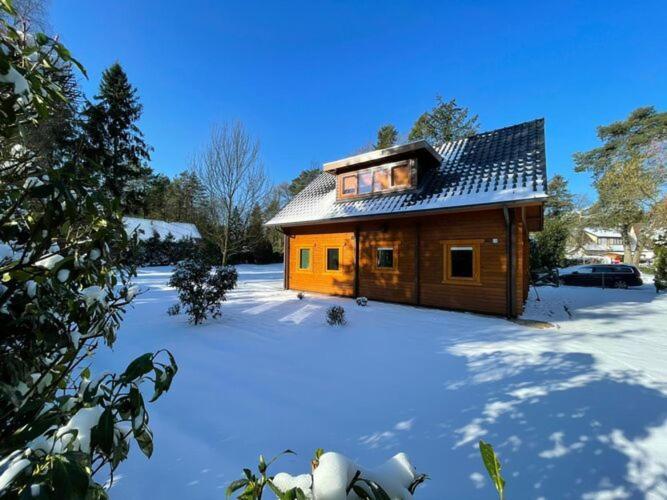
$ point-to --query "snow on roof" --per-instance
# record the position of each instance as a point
(146, 228)
(500, 166)
(603, 233)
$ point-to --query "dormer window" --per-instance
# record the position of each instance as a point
(374, 180)
(383, 170)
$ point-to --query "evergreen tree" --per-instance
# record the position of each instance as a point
(155, 201)
(304, 178)
(447, 121)
(113, 139)
(387, 137)
(258, 243)
(630, 173)
(548, 247)
(184, 199)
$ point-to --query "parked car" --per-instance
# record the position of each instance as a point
(603, 275)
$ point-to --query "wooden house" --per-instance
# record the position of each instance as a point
(445, 227)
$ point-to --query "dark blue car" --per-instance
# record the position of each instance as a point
(603, 275)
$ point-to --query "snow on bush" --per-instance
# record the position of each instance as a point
(362, 301)
(300, 295)
(336, 316)
(201, 290)
(63, 294)
(334, 477)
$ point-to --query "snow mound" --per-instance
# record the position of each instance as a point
(146, 227)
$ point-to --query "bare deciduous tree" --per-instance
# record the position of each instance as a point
(234, 180)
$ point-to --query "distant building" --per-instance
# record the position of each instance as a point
(146, 228)
(605, 246)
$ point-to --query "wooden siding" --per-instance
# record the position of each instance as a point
(425, 238)
(317, 278)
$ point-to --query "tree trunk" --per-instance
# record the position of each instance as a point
(627, 244)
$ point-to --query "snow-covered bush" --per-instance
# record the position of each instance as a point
(300, 295)
(63, 293)
(336, 316)
(362, 301)
(333, 477)
(201, 290)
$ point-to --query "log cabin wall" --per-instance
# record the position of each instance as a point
(403, 282)
(317, 278)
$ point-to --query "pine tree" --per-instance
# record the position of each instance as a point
(548, 247)
(630, 175)
(387, 137)
(113, 139)
(447, 121)
(304, 178)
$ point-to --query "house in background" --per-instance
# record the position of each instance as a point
(146, 228)
(604, 246)
(444, 228)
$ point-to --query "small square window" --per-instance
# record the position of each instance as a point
(365, 182)
(381, 180)
(385, 258)
(304, 258)
(462, 262)
(350, 184)
(400, 176)
(333, 259)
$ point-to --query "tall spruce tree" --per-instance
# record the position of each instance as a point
(447, 121)
(115, 142)
(387, 137)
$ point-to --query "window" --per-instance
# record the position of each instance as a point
(333, 259)
(461, 261)
(388, 177)
(304, 258)
(350, 184)
(381, 179)
(385, 258)
(365, 182)
(400, 176)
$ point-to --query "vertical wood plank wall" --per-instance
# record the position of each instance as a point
(406, 236)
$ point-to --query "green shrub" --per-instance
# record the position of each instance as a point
(63, 293)
(201, 291)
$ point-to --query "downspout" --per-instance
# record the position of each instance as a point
(509, 250)
(357, 244)
(286, 258)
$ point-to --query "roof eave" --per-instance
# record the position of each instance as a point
(383, 154)
(537, 200)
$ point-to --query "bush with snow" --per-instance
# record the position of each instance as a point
(63, 293)
(336, 316)
(333, 477)
(201, 289)
(362, 301)
(300, 295)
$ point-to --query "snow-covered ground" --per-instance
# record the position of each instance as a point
(575, 411)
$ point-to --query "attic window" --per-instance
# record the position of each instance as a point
(350, 184)
(365, 182)
(400, 176)
(387, 177)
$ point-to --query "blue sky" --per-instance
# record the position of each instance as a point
(314, 80)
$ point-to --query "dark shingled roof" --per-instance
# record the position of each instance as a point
(500, 166)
